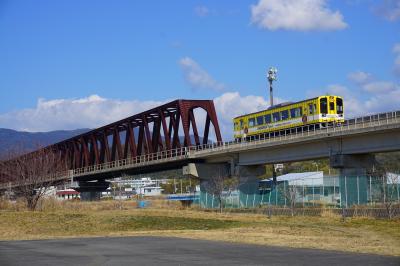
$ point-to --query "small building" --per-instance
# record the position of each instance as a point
(67, 194)
(310, 187)
(128, 188)
(150, 191)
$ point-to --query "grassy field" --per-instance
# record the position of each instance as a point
(75, 219)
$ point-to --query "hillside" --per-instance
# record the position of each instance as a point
(19, 140)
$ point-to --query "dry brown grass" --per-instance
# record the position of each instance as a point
(82, 219)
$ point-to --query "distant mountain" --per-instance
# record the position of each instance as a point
(18, 140)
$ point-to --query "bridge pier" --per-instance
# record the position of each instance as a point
(243, 178)
(353, 177)
(91, 190)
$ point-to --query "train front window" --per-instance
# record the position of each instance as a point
(260, 120)
(241, 123)
(285, 114)
(339, 105)
(323, 105)
(276, 117)
(267, 119)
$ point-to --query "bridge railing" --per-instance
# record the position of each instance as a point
(152, 158)
(185, 152)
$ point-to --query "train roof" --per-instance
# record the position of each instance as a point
(283, 105)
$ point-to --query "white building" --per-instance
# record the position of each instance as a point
(150, 191)
(61, 192)
(126, 188)
(67, 194)
(139, 183)
(310, 186)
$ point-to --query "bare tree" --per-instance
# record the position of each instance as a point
(290, 193)
(388, 186)
(31, 175)
(389, 189)
(219, 186)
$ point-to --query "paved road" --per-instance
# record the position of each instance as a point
(170, 251)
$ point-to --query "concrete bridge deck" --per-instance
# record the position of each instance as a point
(376, 134)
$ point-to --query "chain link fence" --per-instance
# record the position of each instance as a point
(344, 195)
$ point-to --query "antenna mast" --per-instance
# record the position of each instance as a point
(271, 78)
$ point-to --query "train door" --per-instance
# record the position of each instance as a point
(244, 129)
(312, 111)
(331, 105)
(236, 128)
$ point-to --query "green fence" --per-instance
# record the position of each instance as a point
(332, 191)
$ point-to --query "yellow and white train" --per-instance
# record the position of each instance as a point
(319, 111)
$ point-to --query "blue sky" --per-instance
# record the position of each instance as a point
(61, 60)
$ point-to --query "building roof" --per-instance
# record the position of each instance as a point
(67, 192)
(297, 176)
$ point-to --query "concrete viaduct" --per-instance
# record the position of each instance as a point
(350, 148)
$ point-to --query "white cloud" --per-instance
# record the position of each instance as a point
(232, 104)
(301, 15)
(360, 77)
(368, 83)
(380, 87)
(385, 102)
(91, 112)
(396, 48)
(389, 9)
(95, 111)
(201, 11)
(197, 77)
(396, 51)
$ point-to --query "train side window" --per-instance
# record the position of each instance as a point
(295, 112)
(311, 109)
(323, 105)
(285, 114)
(267, 118)
(241, 123)
(339, 105)
(260, 120)
(276, 117)
(251, 122)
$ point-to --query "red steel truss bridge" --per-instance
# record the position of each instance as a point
(166, 129)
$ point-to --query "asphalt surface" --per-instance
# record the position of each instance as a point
(170, 251)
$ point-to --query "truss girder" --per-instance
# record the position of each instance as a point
(169, 126)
